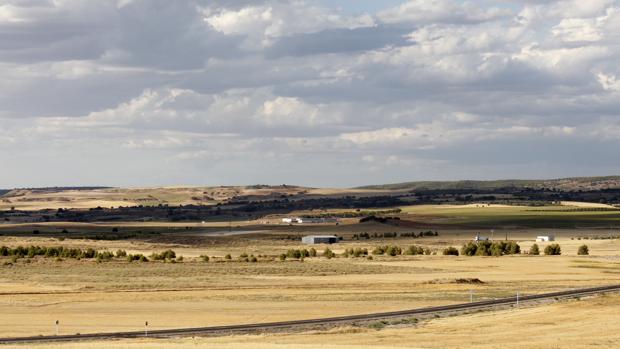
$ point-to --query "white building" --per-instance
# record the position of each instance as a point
(480, 238)
(319, 239)
(545, 238)
(307, 220)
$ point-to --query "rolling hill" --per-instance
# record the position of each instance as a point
(562, 184)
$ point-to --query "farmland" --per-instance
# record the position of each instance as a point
(245, 279)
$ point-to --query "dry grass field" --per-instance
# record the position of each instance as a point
(88, 296)
(587, 323)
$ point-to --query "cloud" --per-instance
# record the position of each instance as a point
(442, 11)
(199, 92)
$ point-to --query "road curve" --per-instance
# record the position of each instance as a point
(220, 330)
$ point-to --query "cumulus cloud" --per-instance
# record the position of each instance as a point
(238, 91)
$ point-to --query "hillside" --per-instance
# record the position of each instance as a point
(562, 184)
(83, 198)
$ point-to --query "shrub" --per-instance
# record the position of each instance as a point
(253, 259)
(283, 257)
(393, 251)
(104, 256)
(327, 253)
(137, 257)
(166, 255)
(312, 252)
(378, 250)
(469, 249)
(487, 248)
(583, 250)
(414, 250)
(204, 258)
(228, 256)
(534, 250)
(89, 253)
(451, 251)
(294, 254)
(553, 250)
(121, 253)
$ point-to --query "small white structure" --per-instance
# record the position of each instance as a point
(307, 220)
(480, 238)
(545, 238)
(319, 239)
(289, 220)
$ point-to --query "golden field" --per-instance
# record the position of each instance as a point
(87, 296)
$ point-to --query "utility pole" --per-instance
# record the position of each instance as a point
(57, 323)
(517, 298)
(471, 296)
(146, 329)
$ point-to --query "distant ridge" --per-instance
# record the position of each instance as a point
(561, 184)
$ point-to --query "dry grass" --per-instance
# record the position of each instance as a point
(121, 296)
(590, 323)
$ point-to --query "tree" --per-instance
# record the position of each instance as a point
(534, 250)
(583, 250)
(553, 250)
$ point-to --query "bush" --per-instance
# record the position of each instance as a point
(204, 258)
(104, 256)
(137, 257)
(393, 251)
(451, 251)
(293, 254)
(166, 255)
(553, 250)
(283, 257)
(487, 248)
(121, 253)
(388, 250)
(327, 253)
(534, 250)
(378, 250)
(312, 252)
(228, 257)
(253, 259)
(469, 249)
(583, 250)
(414, 250)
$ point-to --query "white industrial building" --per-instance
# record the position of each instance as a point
(308, 220)
(480, 238)
(319, 239)
(545, 238)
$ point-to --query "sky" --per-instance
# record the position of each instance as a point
(311, 92)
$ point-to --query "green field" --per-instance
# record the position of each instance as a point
(514, 216)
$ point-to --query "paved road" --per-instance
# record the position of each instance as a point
(283, 325)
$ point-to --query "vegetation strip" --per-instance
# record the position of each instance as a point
(215, 330)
